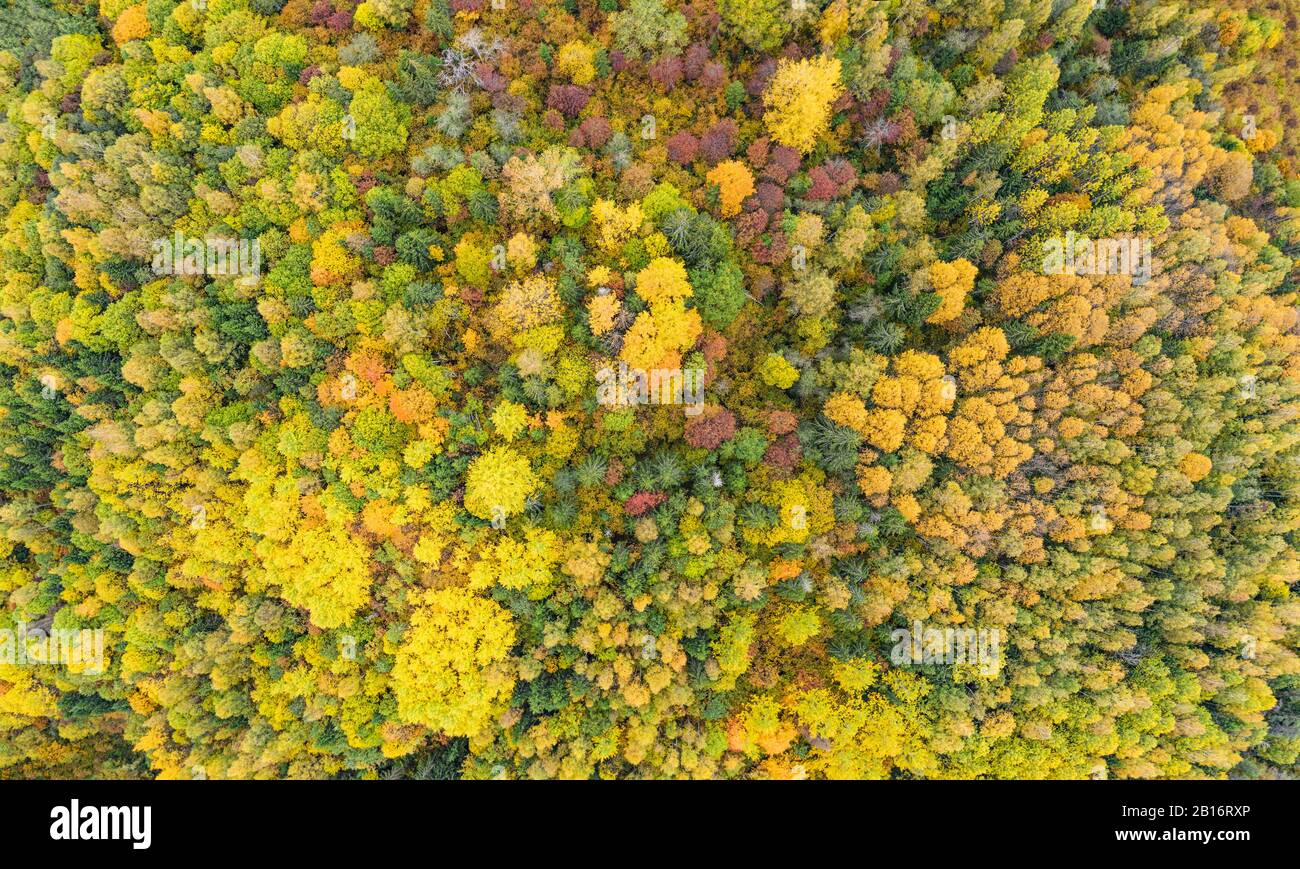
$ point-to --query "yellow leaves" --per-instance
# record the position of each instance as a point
(804, 509)
(908, 506)
(352, 77)
(918, 365)
(908, 407)
(1098, 583)
(884, 429)
(927, 434)
(834, 24)
(473, 258)
(975, 426)
(498, 483)
(519, 564)
(663, 280)
(760, 727)
(776, 371)
(133, 23)
(437, 535)
(659, 334)
(977, 359)
(227, 106)
(901, 393)
(537, 345)
(1195, 466)
(525, 304)
(846, 410)
(1264, 140)
(1071, 427)
(331, 262)
(1066, 303)
(874, 480)
(601, 311)
(987, 344)
(452, 671)
(322, 569)
(509, 419)
(158, 123)
(799, 625)
(521, 252)
(855, 675)
(799, 99)
(735, 185)
(577, 61)
(952, 281)
(615, 226)
(586, 563)
(25, 696)
(636, 695)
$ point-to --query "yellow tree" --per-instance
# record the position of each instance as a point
(799, 100)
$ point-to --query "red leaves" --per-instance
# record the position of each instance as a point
(831, 179)
(595, 132)
(712, 430)
(784, 453)
(567, 99)
(667, 72)
(683, 148)
(642, 502)
(718, 142)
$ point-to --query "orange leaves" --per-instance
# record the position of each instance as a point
(601, 311)
(978, 439)
(414, 405)
(783, 569)
(977, 434)
(846, 410)
(952, 281)
(133, 23)
(376, 517)
(908, 405)
(1195, 466)
(735, 185)
(951, 516)
(365, 377)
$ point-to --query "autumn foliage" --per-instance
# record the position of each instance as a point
(614, 383)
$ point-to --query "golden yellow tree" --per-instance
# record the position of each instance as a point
(799, 99)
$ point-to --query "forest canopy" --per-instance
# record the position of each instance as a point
(749, 389)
